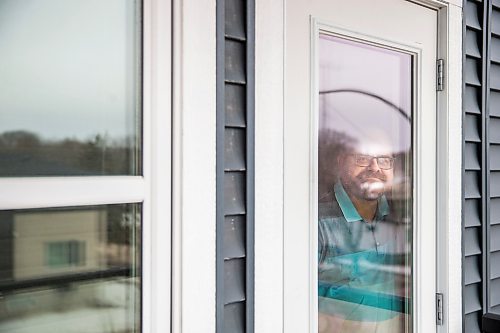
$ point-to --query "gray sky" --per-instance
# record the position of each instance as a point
(67, 67)
(386, 73)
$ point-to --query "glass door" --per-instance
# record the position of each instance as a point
(365, 182)
(360, 167)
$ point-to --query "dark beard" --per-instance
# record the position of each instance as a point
(361, 178)
(357, 188)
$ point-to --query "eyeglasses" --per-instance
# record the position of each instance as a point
(384, 162)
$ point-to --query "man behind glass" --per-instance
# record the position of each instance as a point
(361, 252)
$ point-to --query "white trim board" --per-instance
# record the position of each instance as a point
(194, 166)
(450, 169)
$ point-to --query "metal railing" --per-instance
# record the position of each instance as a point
(491, 323)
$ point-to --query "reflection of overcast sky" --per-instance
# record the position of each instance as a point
(386, 73)
(67, 67)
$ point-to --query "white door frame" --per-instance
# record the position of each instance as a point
(269, 237)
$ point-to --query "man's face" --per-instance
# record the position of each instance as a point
(366, 173)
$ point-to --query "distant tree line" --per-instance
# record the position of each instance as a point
(97, 155)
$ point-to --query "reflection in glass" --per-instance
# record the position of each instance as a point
(364, 188)
(70, 87)
(71, 270)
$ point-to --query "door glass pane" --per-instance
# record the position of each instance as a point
(71, 269)
(70, 86)
(364, 188)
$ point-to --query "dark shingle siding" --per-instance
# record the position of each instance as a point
(481, 294)
(235, 166)
(474, 164)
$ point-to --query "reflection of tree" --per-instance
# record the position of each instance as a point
(331, 143)
(24, 153)
(118, 230)
(19, 140)
(123, 222)
(123, 234)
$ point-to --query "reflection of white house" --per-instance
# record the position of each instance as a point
(54, 243)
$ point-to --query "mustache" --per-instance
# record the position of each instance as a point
(370, 174)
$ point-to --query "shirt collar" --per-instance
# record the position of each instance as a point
(348, 209)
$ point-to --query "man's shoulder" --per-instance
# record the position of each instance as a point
(328, 205)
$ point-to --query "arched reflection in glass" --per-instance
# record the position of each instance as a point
(364, 188)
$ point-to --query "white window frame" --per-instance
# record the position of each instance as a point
(194, 166)
(152, 189)
(269, 235)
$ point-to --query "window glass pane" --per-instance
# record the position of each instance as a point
(364, 188)
(71, 269)
(70, 87)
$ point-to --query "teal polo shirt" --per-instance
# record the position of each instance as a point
(361, 265)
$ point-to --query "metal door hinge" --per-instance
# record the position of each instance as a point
(440, 75)
(439, 309)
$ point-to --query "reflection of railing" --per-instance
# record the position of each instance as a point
(61, 280)
(491, 323)
(355, 91)
(361, 296)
